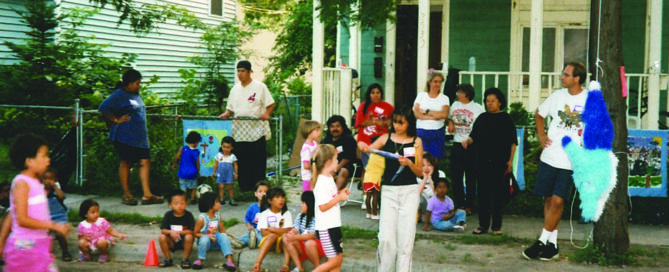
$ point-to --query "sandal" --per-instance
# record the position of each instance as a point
(83, 258)
(185, 264)
(256, 268)
(129, 200)
(497, 232)
(479, 231)
(152, 200)
(197, 264)
(285, 268)
(165, 263)
(230, 266)
(67, 257)
(102, 259)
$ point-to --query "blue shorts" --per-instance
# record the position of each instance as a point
(434, 141)
(131, 154)
(553, 181)
(187, 184)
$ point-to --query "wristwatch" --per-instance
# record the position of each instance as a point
(427, 112)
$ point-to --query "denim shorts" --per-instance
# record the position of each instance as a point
(553, 181)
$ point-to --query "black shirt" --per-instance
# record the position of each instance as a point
(493, 134)
(347, 147)
(169, 220)
(406, 177)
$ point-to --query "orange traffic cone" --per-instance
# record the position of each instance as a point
(151, 258)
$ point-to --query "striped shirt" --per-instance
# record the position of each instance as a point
(302, 226)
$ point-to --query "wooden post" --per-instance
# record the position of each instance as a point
(423, 43)
(445, 23)
(611, 232)
(654, 58)
(536, 43)
(391, 35)
(317, 66)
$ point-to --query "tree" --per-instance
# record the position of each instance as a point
(611, 234)
(145, 17)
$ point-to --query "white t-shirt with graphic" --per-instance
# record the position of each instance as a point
(463, 116)
(565, 112)
(268, 219)
(425, 102)
(324, 191)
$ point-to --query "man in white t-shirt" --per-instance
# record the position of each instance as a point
(554, 174)
(250, 98)
(463, 161)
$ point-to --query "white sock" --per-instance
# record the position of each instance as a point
(553, 237)
(544, 236)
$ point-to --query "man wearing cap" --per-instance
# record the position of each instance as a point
(250, 98)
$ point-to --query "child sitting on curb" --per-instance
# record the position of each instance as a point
(176, 229)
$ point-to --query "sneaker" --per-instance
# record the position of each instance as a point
(235, 242)
(534, 250)
(550, 252)
(232, 203)
(253, 239)
(375, 217)
(458, 228)
(222, 202)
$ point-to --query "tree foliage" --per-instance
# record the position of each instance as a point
(144, 18)
(221, 43)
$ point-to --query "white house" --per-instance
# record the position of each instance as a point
(162, 52)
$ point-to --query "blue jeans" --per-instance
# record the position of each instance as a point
(447, 225)
(245, 238)
(204, 244)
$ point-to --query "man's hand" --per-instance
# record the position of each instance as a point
(225, 115)
(264, 116)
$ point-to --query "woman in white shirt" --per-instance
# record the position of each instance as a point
(431, 109)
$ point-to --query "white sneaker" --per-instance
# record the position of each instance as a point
(253, 239)
(375, 217)
(295, 270)
(458, 228)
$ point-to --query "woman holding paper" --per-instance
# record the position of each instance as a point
(399, 197)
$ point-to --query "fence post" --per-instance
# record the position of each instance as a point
(280, 151)
(79, 139)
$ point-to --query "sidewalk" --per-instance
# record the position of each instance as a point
(133, 249)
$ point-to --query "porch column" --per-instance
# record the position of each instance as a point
(536, 38)
(445, 22)
(423, 43)
(391, 36)
(354, 44)
(654, 58)
(317, 67)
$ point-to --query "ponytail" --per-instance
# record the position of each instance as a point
(323, 154)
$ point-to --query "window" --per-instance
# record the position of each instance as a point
(216, 7)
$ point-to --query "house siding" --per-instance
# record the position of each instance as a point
(162, 52)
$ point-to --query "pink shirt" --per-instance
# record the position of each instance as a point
(95, 231)
(38, 209)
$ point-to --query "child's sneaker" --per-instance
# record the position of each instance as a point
(235, 242)
(458, 228)
(253, 239)
(232, 203)
(375, 217)
(221, 201)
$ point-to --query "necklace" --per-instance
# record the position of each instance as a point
(397, 150)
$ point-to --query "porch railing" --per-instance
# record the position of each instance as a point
(518, 90)
(337, 93)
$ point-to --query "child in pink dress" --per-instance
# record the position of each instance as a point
(29, 209)
(95, 233)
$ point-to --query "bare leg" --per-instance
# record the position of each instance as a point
(333, 264)
(188, 244)
(84, 248)
(166, 243)
(103, 246)
(192, 193)
(368, 200)
(267, 245)
(221, 188)
(554, 212)
(123, 173)
(231, 191)
(342, 178)
(144, 170)
(62, 241)
(375, 202)
(292, 249)
(312, 252)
